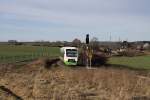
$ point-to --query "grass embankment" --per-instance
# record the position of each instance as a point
(139, 62)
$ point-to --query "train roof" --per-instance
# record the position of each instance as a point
(69, 48)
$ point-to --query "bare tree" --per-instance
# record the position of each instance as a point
(94, 43)
(76, 42)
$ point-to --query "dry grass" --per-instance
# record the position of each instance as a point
(34, 82)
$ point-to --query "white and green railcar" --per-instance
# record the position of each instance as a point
(69, 55)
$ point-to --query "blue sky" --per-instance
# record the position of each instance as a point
(52, 20)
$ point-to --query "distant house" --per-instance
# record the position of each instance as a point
(142, 45)
(146, 46)
(12, 41)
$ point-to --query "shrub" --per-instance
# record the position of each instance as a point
(82, 59)
(97, 59)
(130, 53)
(127, 53)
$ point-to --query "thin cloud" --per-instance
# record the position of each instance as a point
(75, 17)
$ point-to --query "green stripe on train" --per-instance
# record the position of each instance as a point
(70, 63)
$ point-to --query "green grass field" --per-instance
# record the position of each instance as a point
(140, 62)
(10, 53)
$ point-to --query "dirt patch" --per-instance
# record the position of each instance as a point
(45, 62)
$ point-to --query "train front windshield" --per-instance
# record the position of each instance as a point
(71, 53)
